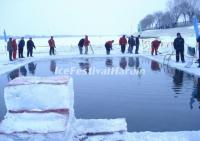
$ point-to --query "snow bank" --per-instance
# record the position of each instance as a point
(38, 94)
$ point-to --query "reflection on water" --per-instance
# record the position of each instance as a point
(148, 102)
(85, 65)
(155, 66)
(178, 81)
(53, 66)
(13, 74)
(195, 94)
(123, 63)
(32, 67)
(109, 63)
(23, 71)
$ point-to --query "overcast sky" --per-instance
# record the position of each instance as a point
(78, 17)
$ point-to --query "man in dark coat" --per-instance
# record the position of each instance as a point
(198, 45)
(21, 47)
(137, 40)
(131, 42)
(10, 49)
(179, 47)
(80, 45)
(30, 46)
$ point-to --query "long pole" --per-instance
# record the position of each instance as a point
(5, 39)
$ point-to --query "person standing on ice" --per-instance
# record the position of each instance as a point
(123, 43)
(198, 45)
(14, 45)
(80, 45)
(86, 44)
(179, 47)
(10, 49)
(21, 47)
(108, 46)
(137, 40)
(30, 46)
(52, 46)
(154, 46)
(131, 42)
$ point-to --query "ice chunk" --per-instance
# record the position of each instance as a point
(39, 94)
(34, 137)
(34, 123)
(39, 80)
(98, 126)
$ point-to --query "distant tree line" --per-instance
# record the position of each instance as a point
(185, 9)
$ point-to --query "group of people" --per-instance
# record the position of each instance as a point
(12, 48)
(132, 41)
(178, 44)
(84, 42)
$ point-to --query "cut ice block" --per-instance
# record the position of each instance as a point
(39, 94)
(99, 126)
(34, 123)
(39, 80)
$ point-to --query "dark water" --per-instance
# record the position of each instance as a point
(162, 99)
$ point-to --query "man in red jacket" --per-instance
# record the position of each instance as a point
(123, 43)
(86, 44)
(154, 46)
(14, 46)
(52, 46)
(108, 46)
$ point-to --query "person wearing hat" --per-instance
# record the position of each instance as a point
(198, 45)
(108, 46)
(30, 46)
(179, 47)
(137, 42)
(14, 45)
(21, 47)
(123, 43)
(154, 46)
(52, 46)
(86, 44)
(10, 49)
(131, 42)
